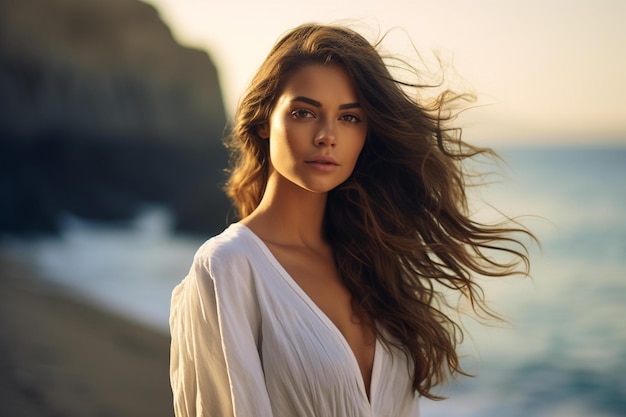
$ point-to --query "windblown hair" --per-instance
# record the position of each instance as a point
(399, 226)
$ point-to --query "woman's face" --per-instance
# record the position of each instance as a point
(316, 130)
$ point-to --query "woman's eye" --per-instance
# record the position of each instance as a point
(301, 114)
(350, 118)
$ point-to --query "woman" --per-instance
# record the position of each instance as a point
(324, 299)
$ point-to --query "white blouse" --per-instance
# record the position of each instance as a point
(247, 341)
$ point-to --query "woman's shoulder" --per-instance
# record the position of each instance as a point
(235, 244)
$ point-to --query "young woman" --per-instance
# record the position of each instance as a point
(325, 298)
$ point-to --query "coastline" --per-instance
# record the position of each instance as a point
(62, 357)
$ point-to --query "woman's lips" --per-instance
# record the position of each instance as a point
(323, 163)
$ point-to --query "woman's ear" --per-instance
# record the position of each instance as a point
(263, 131)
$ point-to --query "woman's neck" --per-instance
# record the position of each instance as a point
(289, 215)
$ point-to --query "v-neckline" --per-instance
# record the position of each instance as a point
(321, 315)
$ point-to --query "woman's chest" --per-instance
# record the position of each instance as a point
(310, 368)
(314, 277)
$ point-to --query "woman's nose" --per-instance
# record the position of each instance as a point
(326, 135)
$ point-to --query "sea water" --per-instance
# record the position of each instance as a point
(564, 352)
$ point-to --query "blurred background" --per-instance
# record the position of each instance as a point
(112, 115)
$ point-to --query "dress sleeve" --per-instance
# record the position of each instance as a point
(215, 366)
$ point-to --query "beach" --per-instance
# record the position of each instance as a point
(62, 357)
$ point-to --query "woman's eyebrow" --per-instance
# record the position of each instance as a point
(317, 104)
(307, 100)
(354, 105)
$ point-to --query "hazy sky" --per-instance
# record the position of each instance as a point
(548, 70)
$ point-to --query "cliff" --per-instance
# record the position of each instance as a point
(102, 111)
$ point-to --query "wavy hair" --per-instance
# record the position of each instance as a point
(399, 225)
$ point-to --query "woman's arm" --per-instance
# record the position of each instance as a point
(215, 367)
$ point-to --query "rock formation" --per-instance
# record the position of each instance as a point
(102, 111)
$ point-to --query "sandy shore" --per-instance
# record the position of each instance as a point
(62, 358)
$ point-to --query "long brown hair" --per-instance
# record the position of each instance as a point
(399, 226)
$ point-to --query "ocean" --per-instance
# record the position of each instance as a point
(564, 351)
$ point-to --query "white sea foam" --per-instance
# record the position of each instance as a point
(130, 269)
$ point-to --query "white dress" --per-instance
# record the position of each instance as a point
(247, 341)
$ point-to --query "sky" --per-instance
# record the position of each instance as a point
(544, 71)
